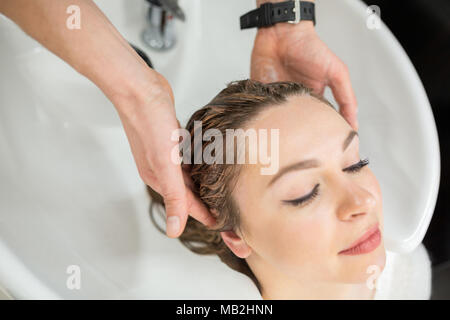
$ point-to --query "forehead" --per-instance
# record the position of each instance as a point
(308, 128)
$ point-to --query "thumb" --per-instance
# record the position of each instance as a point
(343, 93)
(173, 190)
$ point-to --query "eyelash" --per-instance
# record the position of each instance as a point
(358, 166)
(309, 197)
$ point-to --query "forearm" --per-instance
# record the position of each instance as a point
(96, 50)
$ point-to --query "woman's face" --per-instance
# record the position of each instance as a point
(304, 241)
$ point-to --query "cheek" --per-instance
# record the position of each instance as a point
(294, 242)
(373, 186)
(371, 183)
(307, 240)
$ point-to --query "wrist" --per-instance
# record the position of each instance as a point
(281, 30)
(138, 87)
(260, 2)
(126, 79)
(301, 26)
(150, 89)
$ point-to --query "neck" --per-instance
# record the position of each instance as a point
(316, 291)
(276, 285)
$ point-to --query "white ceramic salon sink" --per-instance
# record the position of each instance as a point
(70, 193)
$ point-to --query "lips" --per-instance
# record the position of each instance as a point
(368, 242)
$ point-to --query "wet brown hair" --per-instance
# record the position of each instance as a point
(213, 184)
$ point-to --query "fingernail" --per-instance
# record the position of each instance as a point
(173, 225)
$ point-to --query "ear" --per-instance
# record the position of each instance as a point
(236, 244)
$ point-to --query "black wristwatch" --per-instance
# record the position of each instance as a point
(270, 13)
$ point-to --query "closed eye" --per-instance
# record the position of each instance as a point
(315, 191)
(358, 166)
(304, 199)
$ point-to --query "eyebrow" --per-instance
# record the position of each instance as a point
(310, 163)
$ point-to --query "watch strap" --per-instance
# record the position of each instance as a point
(270, 13)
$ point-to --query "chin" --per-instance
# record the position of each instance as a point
(363, 267)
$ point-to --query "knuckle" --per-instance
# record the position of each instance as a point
(146, 175)
(171, 196)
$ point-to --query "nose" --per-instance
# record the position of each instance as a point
(355, 201)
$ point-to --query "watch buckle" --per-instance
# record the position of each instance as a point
(297, 10)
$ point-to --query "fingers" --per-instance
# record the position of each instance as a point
(343, 94)
(199, 211)
(173, 190)
(320, 90)
(180, 202)
(196, 208)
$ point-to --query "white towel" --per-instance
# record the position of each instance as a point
(405, 276)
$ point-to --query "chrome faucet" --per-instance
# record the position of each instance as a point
(159, 32)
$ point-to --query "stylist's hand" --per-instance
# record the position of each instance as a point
(149, 120)
(294, 52)
(141, 96)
